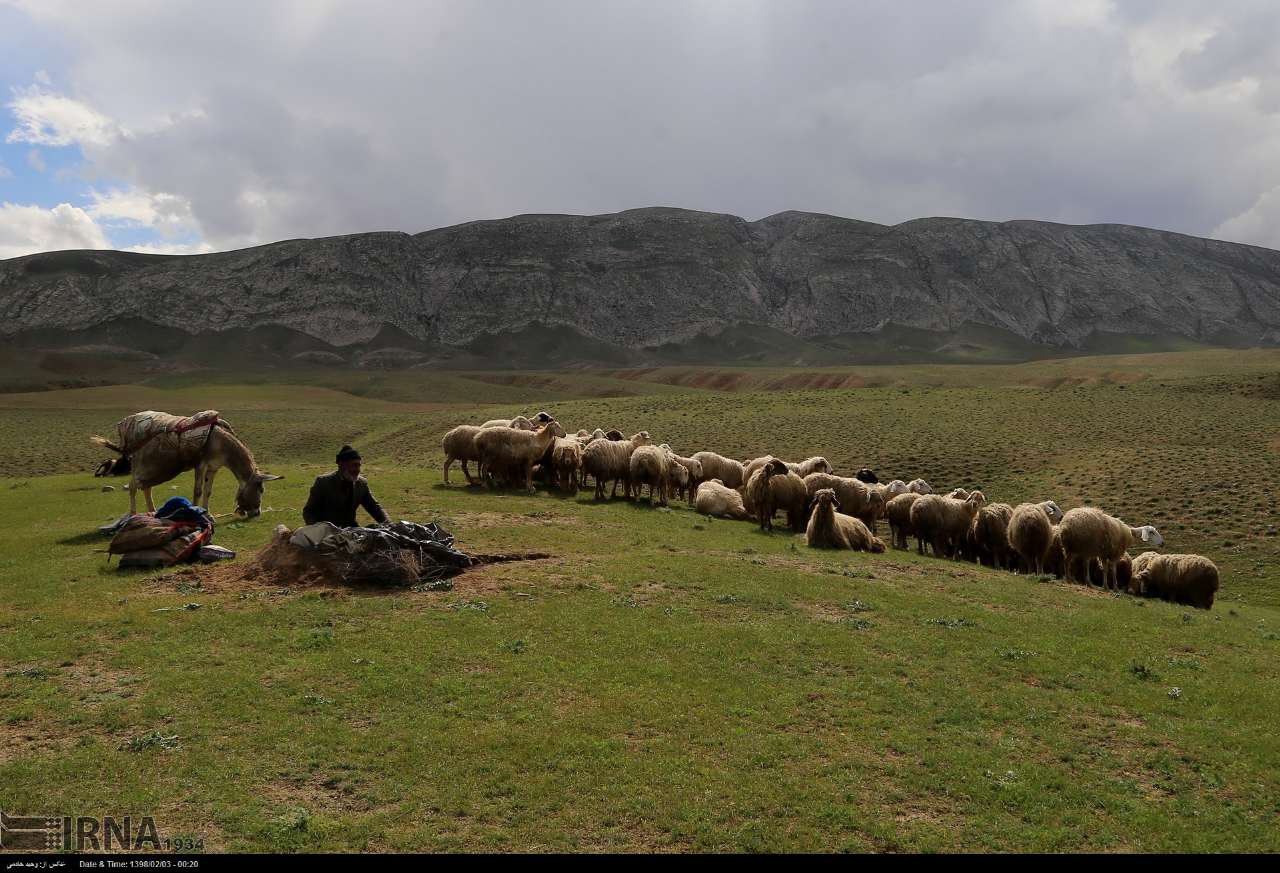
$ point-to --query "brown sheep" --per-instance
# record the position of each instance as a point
(989, 535)
(944, 521)
(773, 487)
(898, 512)
(1030, 535)
(1089, 533)
(713, 498)
(857, 498)
(1188, 579)
(830, 529)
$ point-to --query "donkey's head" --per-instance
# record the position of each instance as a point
(249, 497)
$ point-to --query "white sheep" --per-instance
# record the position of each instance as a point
(459, 445)
(609, 460)
(649, 466)
(713, 497)
(508, 450)
(727, 470)
(1089, 533)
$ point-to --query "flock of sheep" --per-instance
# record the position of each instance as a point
(1084, 544)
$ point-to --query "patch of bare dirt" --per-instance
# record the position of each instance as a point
(280, 566)
(93, 682)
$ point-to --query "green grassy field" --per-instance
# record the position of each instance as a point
(665, 681)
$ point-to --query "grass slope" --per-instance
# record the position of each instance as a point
(665, 681)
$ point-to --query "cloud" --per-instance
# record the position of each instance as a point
(313, 118)
(25, 229)
(1259, 225)
(5, 172)
(50, 119)
(168, 214)
(35, 160)
(172, 248)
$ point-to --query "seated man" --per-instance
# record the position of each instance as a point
(335, 496)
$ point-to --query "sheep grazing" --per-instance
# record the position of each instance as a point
(714, 498)
(1030, 535)
(898, 512)
(773, 487)
(727, 470)
(1188, 579)
(989, 535)
(609, 460)
(1089, 533)
(812, 465)
(919, 486)
(649, 465)
(856, 498)
(944, 521)
(509, 450)
(566, 462)
(830, 529)
(459, 445)
(866, 474)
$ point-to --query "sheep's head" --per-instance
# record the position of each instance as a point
(896, 487)
(974, 501)
(1138, 582)
(642, 439)
(866, 474)
(615, 435)
(695, 468)
(1052, 510)
(544, 417)
(821, 465)
(919, 486)
(776, 468)
(826, 497)
(522, 423)
(1149, 535)
(875, 503)
(958, 494)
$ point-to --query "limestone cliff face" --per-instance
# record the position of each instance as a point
(649, 277)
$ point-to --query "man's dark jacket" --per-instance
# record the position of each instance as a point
(334, 498)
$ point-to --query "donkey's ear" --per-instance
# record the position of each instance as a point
(267, 477)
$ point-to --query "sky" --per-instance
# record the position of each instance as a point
(186, 126)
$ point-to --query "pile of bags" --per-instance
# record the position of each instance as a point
(174, 533)
(395, 553)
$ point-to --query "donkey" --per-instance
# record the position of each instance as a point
(166, 455)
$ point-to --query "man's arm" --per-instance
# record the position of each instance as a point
(373, 507)
(311, 512)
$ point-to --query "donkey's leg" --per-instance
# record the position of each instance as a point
(133, 496)
(151, 507)
(198, 488)
(208, 487)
